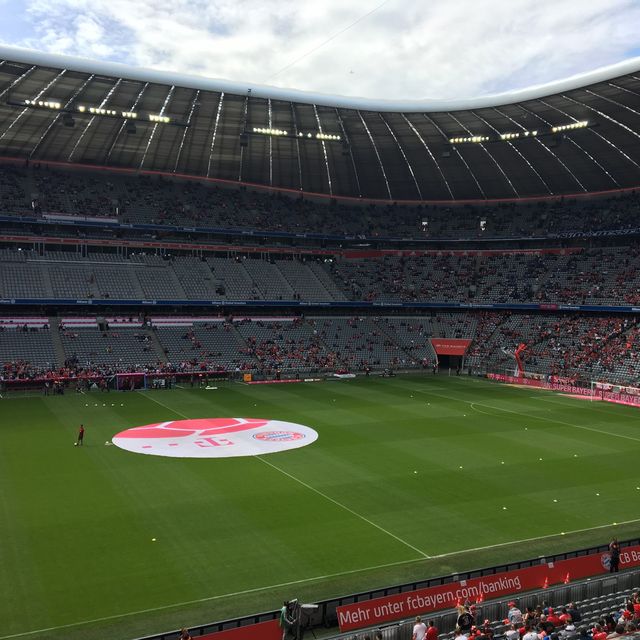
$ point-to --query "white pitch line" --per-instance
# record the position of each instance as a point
(211, 598)
(512, 542)
(162, 404)
(302, 581)
(473, 406)
(320, 493)
(342, 506)
(529, 415)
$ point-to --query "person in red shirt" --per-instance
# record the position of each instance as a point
(432, 631)
(599, 633)
(565, 618)
(553, 618)
(80, 439)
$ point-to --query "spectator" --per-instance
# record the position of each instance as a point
(614, 555)
(598, 632)
(618, 632)
(573, 611)
(512, 633)
(465, 620)
(514, 615)
(568, 631)
(419, 629)
(565, 616)
(553, 619)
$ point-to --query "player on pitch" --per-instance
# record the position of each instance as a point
(80, 439)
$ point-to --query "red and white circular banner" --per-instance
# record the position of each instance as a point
(215, 437)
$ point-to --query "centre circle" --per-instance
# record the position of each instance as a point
(215, 437)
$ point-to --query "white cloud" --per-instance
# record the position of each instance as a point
(404, 49)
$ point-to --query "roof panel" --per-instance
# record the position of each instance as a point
(381, 153)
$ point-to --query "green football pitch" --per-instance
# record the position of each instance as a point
(411, 477)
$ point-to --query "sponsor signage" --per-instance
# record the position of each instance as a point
(412, 253)
(75, 219)
(607, 395)
(509, 583)
(450, 346)
(349, 254)
(621, 398)
(215, 437)
(272, 381)
(264, 630)
(145, 244)
(351, 304)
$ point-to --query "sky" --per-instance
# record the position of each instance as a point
(390, 49)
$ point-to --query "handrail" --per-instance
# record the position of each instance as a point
(326, 608)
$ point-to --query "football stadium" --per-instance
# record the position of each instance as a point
(372, 359)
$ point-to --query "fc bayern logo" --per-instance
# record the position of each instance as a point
(215, 437)
(279, 436)
(605, 560)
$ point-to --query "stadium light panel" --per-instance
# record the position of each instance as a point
(45, 104)
(270, 131)
(475, 139)
(568, 127)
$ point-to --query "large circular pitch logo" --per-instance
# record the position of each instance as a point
(215, 437)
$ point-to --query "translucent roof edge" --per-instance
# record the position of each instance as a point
(118, 70)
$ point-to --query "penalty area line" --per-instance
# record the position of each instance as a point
(473, 406)
(212, 598)
(530, 416)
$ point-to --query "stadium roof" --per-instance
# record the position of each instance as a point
(578, 135)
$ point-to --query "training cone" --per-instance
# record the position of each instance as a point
(546, 582)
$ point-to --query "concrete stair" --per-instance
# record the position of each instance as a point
(56, 341)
